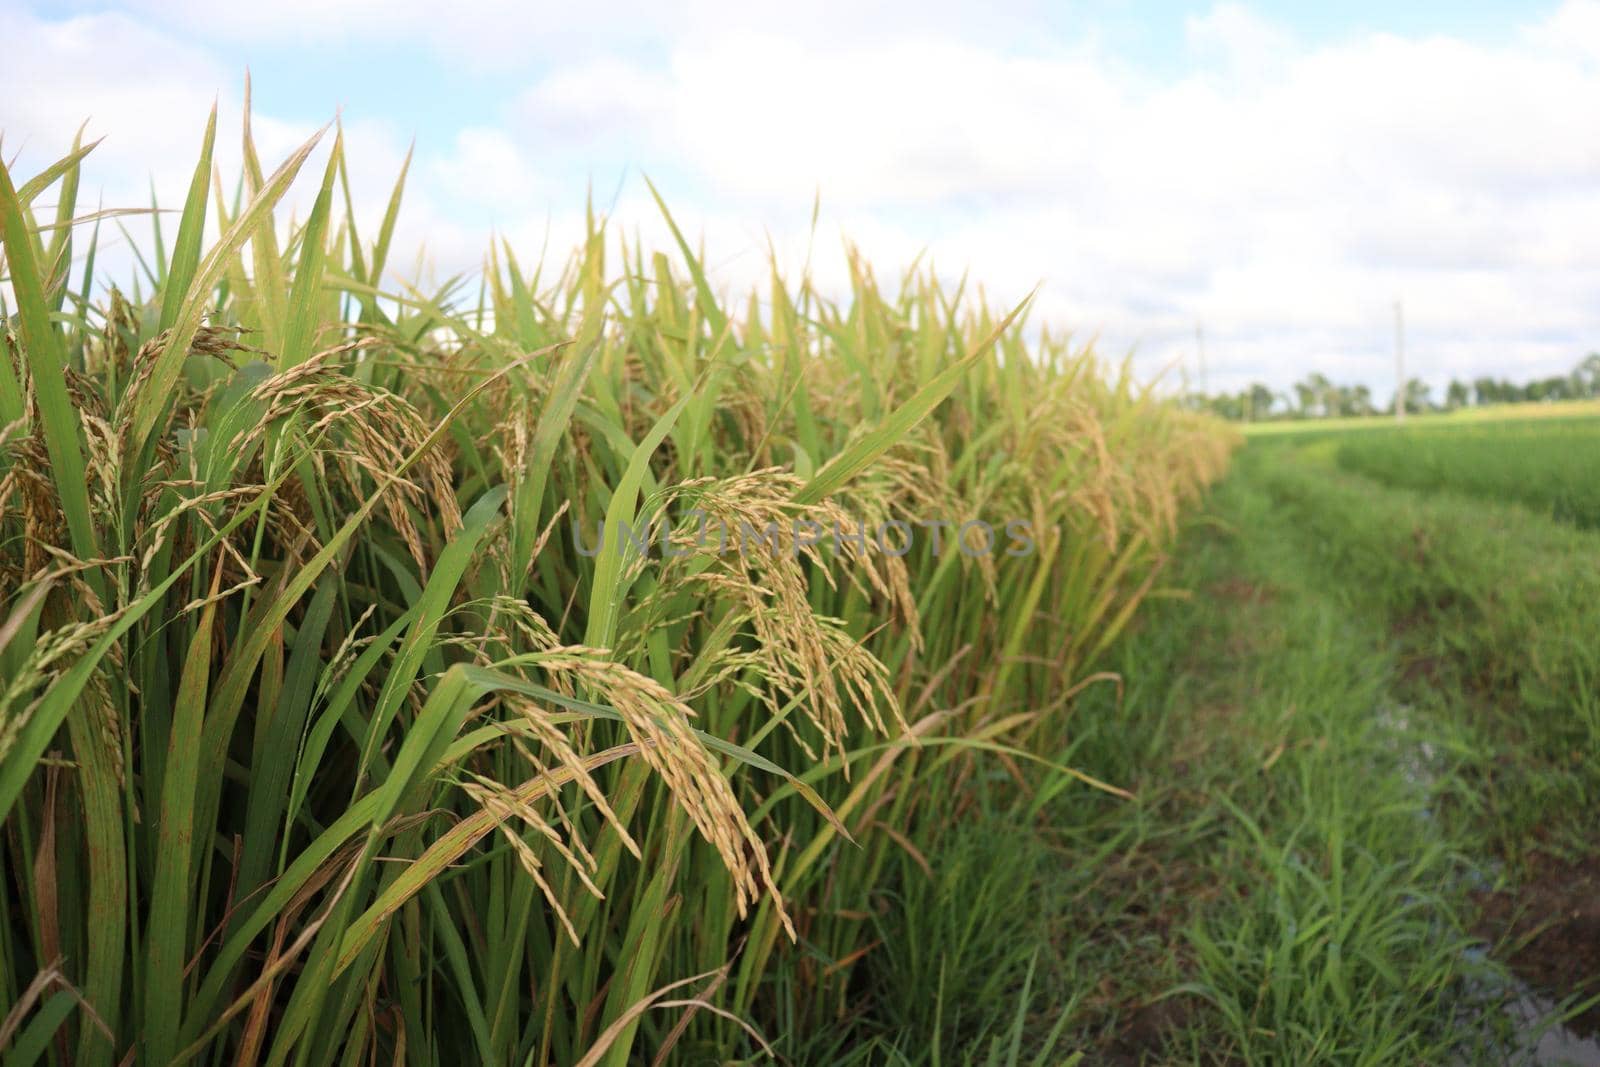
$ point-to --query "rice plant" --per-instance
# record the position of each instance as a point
(328, 731)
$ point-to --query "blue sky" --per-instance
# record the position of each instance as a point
(1280, 173)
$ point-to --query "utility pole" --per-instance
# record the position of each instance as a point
(1399, 364)
(1200, 350)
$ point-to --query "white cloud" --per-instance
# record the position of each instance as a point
(1285, 195)
(1282, 190)
(1245, 46)
(508, 33)
(98, 69)
(489, 170)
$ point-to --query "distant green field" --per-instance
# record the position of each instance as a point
(1549, 465)
(1488, 413)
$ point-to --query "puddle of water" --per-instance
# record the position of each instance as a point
(1538, 1037)
(1543, 1041)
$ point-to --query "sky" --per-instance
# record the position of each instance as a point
(1277, 176)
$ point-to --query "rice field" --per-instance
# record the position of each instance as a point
(335, 728)
(576, 663)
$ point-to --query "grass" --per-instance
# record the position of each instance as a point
(1392, 710)
(1313, 913)
(322, 739)
(1491, 604)
(1546, 466)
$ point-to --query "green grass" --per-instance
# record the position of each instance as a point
(1492, 604)
(1547, 466)
(1314, 914)
(1427, 656)
(321, 739)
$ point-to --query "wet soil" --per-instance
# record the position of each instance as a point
(1548, 930)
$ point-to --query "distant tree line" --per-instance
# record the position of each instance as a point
(1317, 397)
